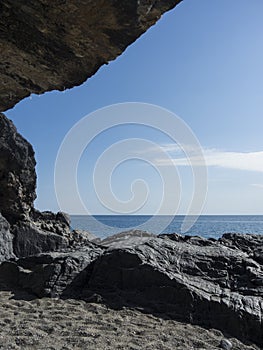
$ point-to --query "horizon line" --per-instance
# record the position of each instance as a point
(165, 215)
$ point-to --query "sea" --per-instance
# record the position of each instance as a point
(208, 226)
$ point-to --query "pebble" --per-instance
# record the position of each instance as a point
(226, 344)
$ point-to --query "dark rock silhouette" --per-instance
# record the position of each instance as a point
(17, 173)
(31, 231)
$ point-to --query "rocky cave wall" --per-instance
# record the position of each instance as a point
(47, 45)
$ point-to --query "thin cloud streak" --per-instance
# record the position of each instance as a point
(258, 185)
(171, 148)
(250, 161)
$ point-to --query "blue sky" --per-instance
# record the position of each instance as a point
(203, 61)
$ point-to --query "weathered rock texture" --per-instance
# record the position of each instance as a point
(47, 45)
(42, 232)
(217, 284)
(32, 232)
(26, 231)
(17, 173)
(6, 240)
(30, 240)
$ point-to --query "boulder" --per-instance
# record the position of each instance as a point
(55, 274)
(205, 282)
(31, 240)
(208, 284)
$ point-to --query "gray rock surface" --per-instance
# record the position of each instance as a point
(58, 223)
(53, 274)
(30, 240)
(6, 240)
(250, 244)
(206, 282)
(127, 239)
(81, 237)
(47, 45)
(195, 280)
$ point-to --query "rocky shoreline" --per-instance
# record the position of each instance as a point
(216, 284)
(212, 283)
(64, 289)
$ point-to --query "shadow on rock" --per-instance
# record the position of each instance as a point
(215, 284)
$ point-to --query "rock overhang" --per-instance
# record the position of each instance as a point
(57, 45)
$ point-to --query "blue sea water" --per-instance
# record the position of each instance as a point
(206, 225)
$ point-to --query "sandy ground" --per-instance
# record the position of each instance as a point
(72, 324)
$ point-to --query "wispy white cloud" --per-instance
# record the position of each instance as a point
(171, 148)
(250, 161)
(257, 185)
